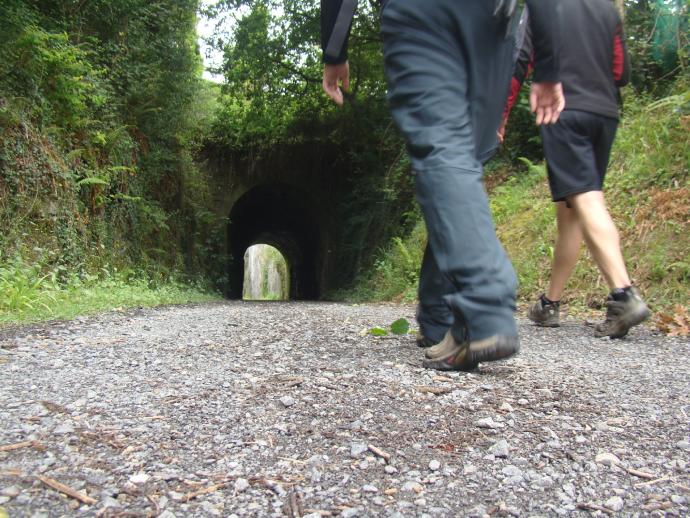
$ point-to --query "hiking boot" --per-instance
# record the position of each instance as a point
(545, 312)
(624, 309)
(445, 346)
(466, 356)
(449, 355)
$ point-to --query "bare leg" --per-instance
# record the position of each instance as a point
(568, 245)
(601, 236)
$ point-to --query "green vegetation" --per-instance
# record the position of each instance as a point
(104, 120)
(101, 109)
(27, 294)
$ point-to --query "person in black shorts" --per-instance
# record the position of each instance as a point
(594, 64)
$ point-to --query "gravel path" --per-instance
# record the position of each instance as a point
(274, 409)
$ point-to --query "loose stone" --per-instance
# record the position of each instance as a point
(11, 491)
(287, 401)
(357, 448)
(488, 422)
(139, 478)
(412, 486)
(500, 448)
(615, 503)
(607, 459)
(241, 484)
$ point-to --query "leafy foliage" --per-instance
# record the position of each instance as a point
(102, 107)
(658, 42)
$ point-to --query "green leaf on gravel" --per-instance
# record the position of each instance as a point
(400, 327)
(378, 331)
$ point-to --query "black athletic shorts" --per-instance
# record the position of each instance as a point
(577, 150)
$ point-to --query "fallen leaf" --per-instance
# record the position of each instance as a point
(676, 324)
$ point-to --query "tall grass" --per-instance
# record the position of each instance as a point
(31, 291)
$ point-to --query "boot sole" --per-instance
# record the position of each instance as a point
(544, 323)
(443, 365)
(493, 349)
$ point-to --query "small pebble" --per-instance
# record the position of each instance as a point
(500, 449)
(64, 429)
(357, 448)
(287, 401)
(11, 491)
(411, 486)
(488, 422)
(607, 459)
(615, 503)
(139, 478)
(241, 484)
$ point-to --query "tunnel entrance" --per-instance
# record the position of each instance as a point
(285, 218)
(266, 274)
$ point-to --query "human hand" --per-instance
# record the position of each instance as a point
(501, 132)
(546, 101)
(333, 77)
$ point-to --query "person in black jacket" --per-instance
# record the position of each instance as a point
(448, 64)
(594, 65)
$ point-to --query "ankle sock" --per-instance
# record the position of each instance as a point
(620, 294)
(547, 301)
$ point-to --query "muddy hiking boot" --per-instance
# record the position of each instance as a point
(431, 345)
(624, 309)
(450, 354)
(545, 312)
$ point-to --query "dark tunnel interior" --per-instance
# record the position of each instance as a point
(285, 218)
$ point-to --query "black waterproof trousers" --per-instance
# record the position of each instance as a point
(448, 65)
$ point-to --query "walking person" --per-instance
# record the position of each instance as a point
(448, 64)
(594, 65)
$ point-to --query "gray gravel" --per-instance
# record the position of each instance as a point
(274, 409)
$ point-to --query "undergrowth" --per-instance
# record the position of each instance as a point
(29, 292)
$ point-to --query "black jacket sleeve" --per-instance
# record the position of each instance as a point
(336, 21)
(546, 39)
(524, 50)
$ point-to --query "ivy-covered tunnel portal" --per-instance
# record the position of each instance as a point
(324, 212)
(284, 217)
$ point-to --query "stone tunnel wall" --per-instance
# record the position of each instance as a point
(307, 177)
